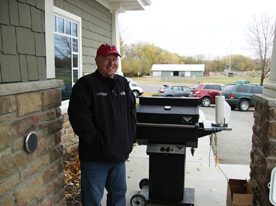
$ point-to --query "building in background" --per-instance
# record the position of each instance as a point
(178, 70)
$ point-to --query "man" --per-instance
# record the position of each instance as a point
(102, 111)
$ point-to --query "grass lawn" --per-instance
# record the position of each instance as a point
(191, 82)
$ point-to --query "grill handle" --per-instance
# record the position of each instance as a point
(167, 125)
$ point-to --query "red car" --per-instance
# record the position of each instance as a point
(206, 92)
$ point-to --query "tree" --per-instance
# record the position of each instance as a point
(259, 35)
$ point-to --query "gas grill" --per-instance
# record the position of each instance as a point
(167, 126)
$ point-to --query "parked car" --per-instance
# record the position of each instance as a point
(66, 91)
(206, 92)
(130, 80)
(137, 91)
(240, 95)
(174, 91)
(242, 82)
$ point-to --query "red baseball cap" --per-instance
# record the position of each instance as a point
(107, 49)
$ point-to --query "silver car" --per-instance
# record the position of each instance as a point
(174, 91)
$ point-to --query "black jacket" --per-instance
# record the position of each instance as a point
(102, 112)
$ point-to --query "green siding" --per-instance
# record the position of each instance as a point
(166, 74)
(22, 41)
(197, 74)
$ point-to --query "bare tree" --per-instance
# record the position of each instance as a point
(259, 35)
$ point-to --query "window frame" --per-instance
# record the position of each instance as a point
(74, 18)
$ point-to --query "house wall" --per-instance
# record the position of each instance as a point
(22, 41)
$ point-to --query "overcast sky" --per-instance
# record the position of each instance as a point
(195, 27)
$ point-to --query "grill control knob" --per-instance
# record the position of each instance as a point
(168, 149)
(162, 149)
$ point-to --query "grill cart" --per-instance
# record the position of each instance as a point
(167, 126)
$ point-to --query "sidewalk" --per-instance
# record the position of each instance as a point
(202, 173)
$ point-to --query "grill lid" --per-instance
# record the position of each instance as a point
(168, 110)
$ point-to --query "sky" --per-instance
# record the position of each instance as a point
(212, 28)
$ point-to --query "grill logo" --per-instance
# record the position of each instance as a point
(187, 119)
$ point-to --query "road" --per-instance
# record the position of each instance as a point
(150, 87)
(233, 147)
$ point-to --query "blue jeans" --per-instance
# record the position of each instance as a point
(95, 176)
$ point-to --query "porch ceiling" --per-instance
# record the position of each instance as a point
(125, 5)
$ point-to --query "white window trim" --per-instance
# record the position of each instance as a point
(77, 19)
(50, 10)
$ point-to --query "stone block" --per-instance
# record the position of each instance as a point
(58, 137)
(13, 11)
(59, 183)
(39, 164)
(23, 126)
(24, 11)
(36, 19)
(269, 129)
(45, 145)
(46, 116)
(28, 103)
(50, 173)
(7, 117)
(7, 62)
(9, 184)
(5, 136)
(32, 67)
(54, 126)
(9, 40)
(49, 188)
(7, 104)
(24, 174)
(4, 12)
(60, 195)
(51, 98)
(7, 200)
(25, 41)
(18, 144)
(12, 164)
(29, 190)
(56, 153)
(4, 153)
(49, 200)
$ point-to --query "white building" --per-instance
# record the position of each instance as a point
(181, 70)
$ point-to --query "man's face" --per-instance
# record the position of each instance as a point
(108, 65)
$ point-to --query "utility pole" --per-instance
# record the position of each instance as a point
(230, 57)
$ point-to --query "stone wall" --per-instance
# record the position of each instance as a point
(69, 140)
(31, 178)
(263, 154)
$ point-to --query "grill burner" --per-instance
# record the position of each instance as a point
(167, 126)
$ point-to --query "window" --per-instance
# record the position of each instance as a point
(242, 88)
(176, 73)
(256, 90)
(67, 49)
(177, 88)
